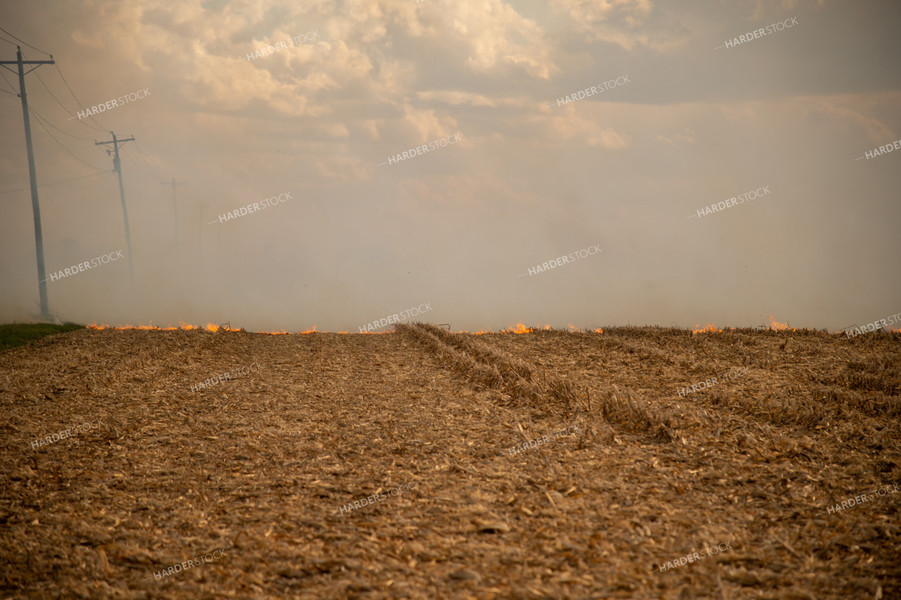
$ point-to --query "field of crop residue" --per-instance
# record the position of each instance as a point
(429, 464)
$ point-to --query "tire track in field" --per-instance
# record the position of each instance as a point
(494, 368)
(616, 366)
(823, 399)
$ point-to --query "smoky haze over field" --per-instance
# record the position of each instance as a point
(694, 122)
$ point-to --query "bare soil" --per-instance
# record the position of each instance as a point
(266, 466)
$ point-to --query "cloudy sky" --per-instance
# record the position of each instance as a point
(694, 115)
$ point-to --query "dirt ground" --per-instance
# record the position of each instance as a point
(413, 465)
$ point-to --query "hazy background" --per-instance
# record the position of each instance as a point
(529, 181)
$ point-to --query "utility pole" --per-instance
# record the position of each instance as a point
(174, 183)
(200, 233)
(200, 227)
(32, 175)
(117, 167)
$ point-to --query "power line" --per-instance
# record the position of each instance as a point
(7, 41)
(95, 126)
(144, 158)
(65, 108)
(57, 182)
(11, 86)
(24, 42)
(38, 75)
(72, 154)
(135, 161)
(47, 121)
(100, 128)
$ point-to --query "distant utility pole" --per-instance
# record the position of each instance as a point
(174, 183)
(32, 175)
(200, 233)
(117, 167)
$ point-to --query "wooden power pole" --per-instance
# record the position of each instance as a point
(117, 167)
(174, 183)
(32, 175)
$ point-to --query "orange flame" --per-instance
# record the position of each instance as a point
(599, 330)
(519, 328)
(710, 328)
(182, 326)
(777, 326)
